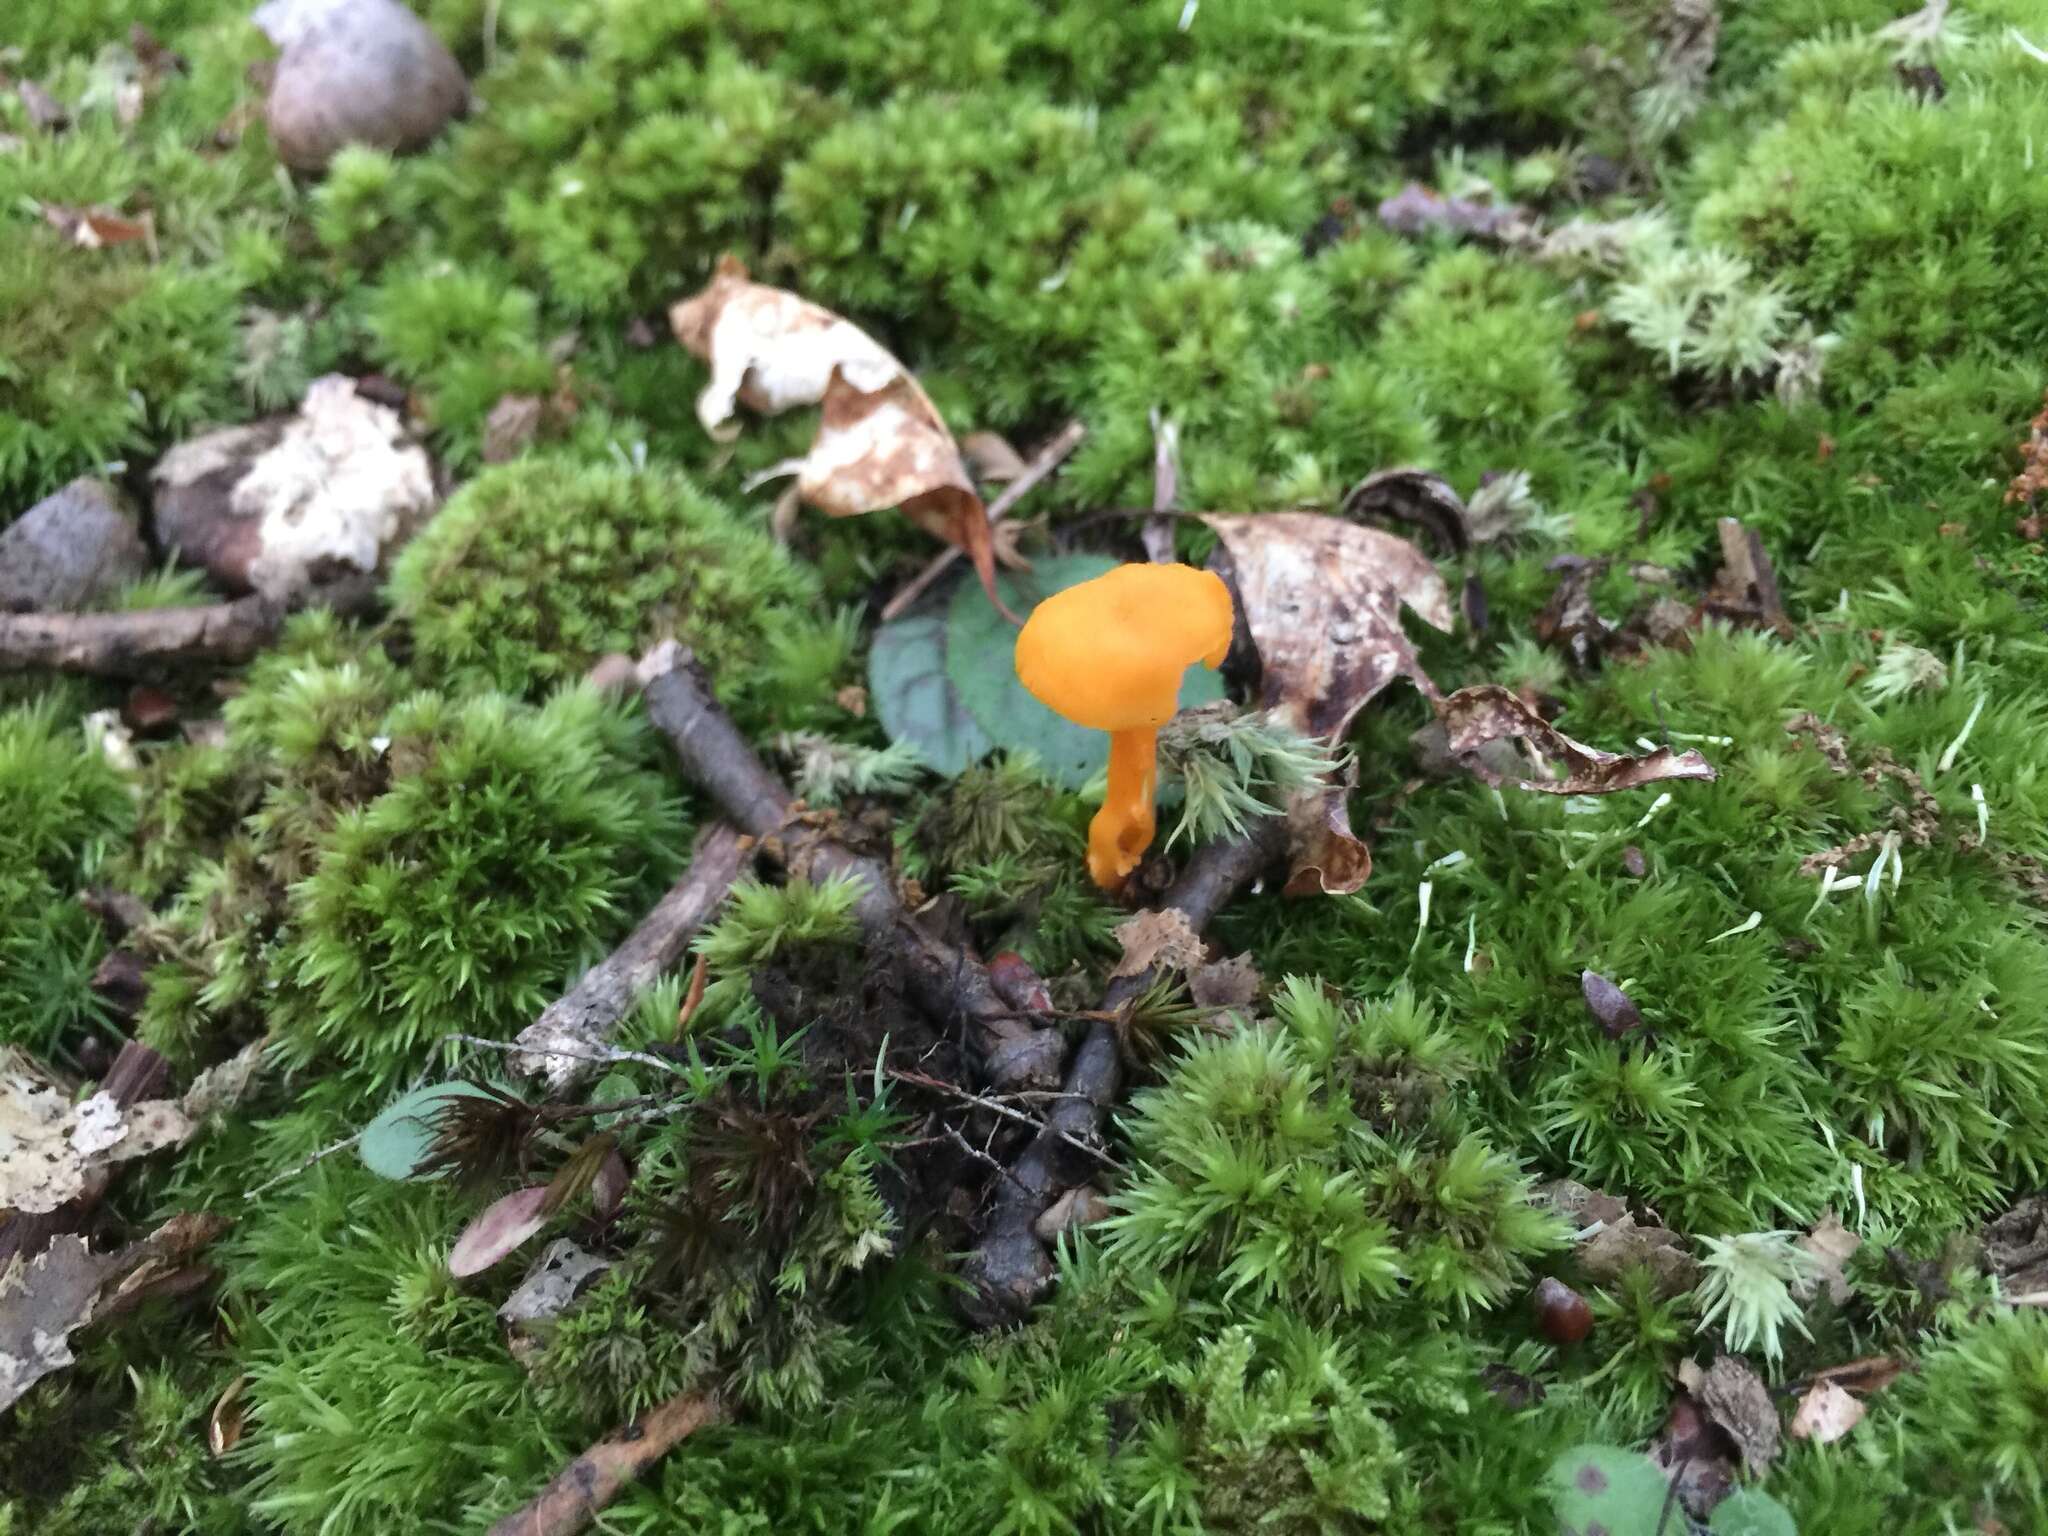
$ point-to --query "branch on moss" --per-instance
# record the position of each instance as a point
(948, 983)
(1011, 1270)
(590, 1011)
(148, 639)
(1048, 459)
(587, 1485)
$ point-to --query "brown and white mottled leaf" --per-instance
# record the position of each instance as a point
(46, 1299)
(1323, 599)
(49, 1146)
(501, 1228)
(1232, 983)
(94, 229)
(1832, 1244)
(1164, 938)
(563, 1272)
(881, 442)
(1475, 718)
(1825, 1414)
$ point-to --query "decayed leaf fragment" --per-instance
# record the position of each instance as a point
(1476, 717)
(49, 1147)
(1322, 598)
(881, 442)
(1164, 938)
(1825, 1414)
(94, 229)
(46, 1299)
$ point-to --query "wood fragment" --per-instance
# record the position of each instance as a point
(589, 1012)
(587, 1485)
(150, 639)
(1011, 1270)
(1043, 463)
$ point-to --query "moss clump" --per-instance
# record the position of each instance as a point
(538, 568)
(63, 809)
(511, 843)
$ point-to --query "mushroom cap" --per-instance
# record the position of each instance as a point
(1109, 653)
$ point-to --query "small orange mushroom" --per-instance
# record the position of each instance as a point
(1109, 654)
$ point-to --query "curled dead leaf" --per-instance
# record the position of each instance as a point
(1322, 600)
(1832, 1244)
(230, 1413)
(881, 442)
(94, 229)
(1415, 496)
(1734, 1397)
(1475, 718)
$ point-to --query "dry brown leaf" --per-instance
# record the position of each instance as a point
(1164, 938)
(1232, 983)
(1734, 1397)
(1581, 1206)
(1872, 1373)
(881, 442)
(1322, 599)
(230, 1413)
(1622, 1245)
(501, 1227)
(1832, 1244)
(1078, 1207)
(991, 457)
(1825, 1414)
(93, 229)
(1475, 718)
(50, 1147)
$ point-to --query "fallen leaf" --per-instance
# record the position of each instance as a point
(1322, 600)
(1612, 1009)
(562, 1273)
(1693, 1452)
(93, 229)
(608, 1188)
(1232, 983)
(513, 423)
(66, 1286)
(1417, 210)
(1746, 586)
(222, 1087)
(1475, 718)
(1872, 1373)
(1078, 1207)
(1734, 1397)
(1569, 622)
(501, 1228)
(1831, 1244)
(1164, 938)
(1623, 1245)
(881, 442)
(50, 1147)
(230, 1413)
(991, 457)
(1415, 496)
(2015, 1247)
(1581, 1206)
(1825, 1414)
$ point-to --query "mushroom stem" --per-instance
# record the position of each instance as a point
(1122, 829)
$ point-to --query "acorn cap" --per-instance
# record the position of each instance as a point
(1109, 654)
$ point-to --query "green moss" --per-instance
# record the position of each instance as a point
(538, 568)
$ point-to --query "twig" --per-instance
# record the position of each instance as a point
(583, 1489)
(600, 1055)
(588, 1012)
(303, 1164)
(126, 644)
(979, 1101)
(976, 1153)
(1011, 1270)
(947, 983)
(1047, 459)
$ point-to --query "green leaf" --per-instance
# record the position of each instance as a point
(1746, 1512)
(916, 701)
(1603, 1490)
(395, 1143)
(953, 693)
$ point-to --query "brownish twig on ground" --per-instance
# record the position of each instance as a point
(148, 639)
(1016, 1049)
(583, 1489)
(588, 1013)
(1048, 459)
(1011, 1270)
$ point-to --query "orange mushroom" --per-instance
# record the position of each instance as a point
(1109, 654)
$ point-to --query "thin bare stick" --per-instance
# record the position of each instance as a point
(1048, 459)
(148, 639)
(995, 1107)
(300, 1167)
(586, 1486)
(590, 1011)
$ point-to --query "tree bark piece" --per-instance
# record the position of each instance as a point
(1017, 1051)
(587, 1485)
(588, 1012)
(1011, 1270)
(149, 639)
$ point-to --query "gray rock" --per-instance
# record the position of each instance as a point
(70, 549)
